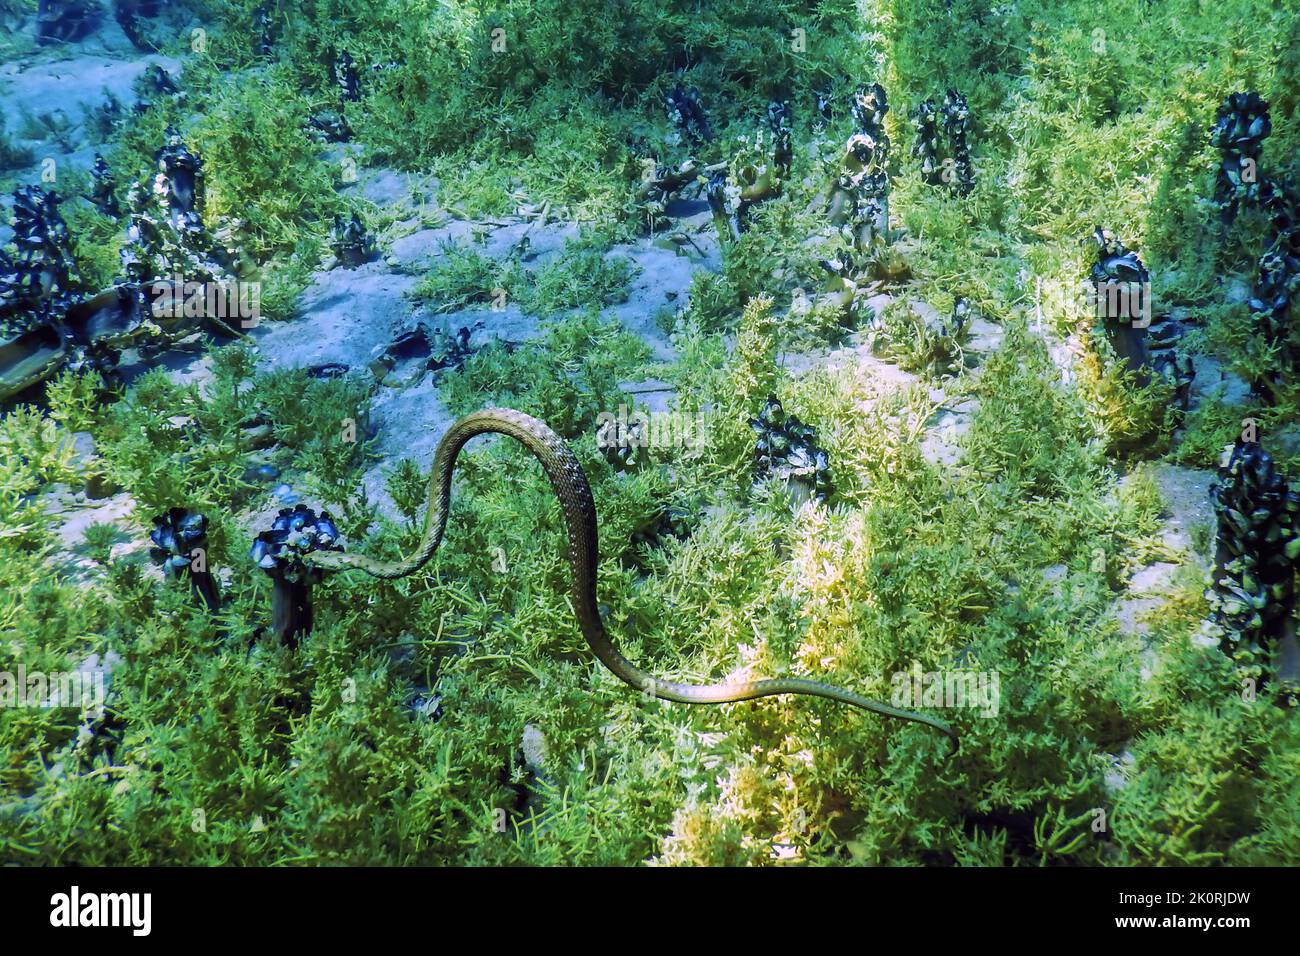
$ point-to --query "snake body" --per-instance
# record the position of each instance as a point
(579, 508)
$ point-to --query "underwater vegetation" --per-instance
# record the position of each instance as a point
(934, 358)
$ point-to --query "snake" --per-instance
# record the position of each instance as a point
(578, 506)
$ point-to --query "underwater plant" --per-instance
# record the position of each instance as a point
(787, 449)
(180, 548)
(1257, 553)
(283, 552)
(1240, 128)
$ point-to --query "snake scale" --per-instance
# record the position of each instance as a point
(579, 508)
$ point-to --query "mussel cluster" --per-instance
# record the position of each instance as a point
(787, 449)
(1278, 281)
(279, 551)
(180, 544)
(65, 21)
(437, 351)
(1120, 286)
(732, 190)
(686, 112)
(155, 84)
(48, 321)
(347, 77)
(129, 13)
(104, 190)
(352, 244)
(949, 333)
(1257, 552)
(166, 235)
(38, 284)
(265, 30)
(779, 124)
(956, 124)
(1240, 128)
(330, 125)
(670, 523)
(859, 203)
(926, 146)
